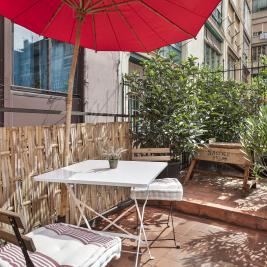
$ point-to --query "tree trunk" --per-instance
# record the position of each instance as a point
(64, 209)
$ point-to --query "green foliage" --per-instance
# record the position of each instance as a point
(181, 105)
(259, 85)
(167, 105)
(226, 106)
(254, 141)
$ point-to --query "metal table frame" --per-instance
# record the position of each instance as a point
(54, 176)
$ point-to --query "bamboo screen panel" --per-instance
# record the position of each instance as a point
(28, 151)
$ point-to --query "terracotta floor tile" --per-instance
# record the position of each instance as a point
(167, 262)
(222, 198)
(227, 191)
(204, 243)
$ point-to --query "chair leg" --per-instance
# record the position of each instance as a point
(173, 231)
(137, 219)
(170, 220)
(169, 215)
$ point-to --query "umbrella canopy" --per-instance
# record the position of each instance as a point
(108, 25)
(112, 25)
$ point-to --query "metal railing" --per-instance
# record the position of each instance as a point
(124, 117)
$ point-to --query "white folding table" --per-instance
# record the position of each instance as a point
(97, 172)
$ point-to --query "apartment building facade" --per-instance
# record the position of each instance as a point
(225, 39)
(259, 32)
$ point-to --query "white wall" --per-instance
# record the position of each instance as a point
(195, 47)
(102, 88)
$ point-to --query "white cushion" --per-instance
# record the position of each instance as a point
(65, 250)
(160, 189)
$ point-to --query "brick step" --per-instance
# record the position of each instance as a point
(223, 213)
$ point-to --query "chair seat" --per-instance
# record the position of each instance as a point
(161, 189)
(65, 245)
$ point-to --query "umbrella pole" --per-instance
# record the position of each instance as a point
(64, 208)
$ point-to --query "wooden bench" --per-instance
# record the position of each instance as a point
(229, 153)
(151, 154)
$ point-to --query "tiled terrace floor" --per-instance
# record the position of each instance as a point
(227, 191)
(204, 243)
(222, 198)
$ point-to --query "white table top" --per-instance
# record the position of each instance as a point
(97, 172)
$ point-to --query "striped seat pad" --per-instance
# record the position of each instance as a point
(65, 246)
(161, 189)
(83, 235)
(13, 256)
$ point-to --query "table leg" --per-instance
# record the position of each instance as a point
(119, 217)
(80, 217)
(82, 206)
(77, 203)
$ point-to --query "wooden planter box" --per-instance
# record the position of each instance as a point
(222, 153)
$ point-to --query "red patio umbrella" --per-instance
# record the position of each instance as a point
(109, 25)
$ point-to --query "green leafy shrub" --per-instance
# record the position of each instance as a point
(254, 141)
(167, 105)
(182, 105)
(226, 106)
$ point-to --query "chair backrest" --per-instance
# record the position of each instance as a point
(25, 243)
(151, 154)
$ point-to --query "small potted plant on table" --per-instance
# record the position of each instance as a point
(113, 155)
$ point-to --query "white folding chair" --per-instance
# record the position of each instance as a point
(55, 245)
(166, 189)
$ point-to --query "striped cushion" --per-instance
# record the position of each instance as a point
(161, 189)
(65, 245)
(82, 235)
(13, 256)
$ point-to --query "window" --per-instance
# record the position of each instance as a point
(255, 53)
(213, 39)
(41, 63)
(207, 56)
(259, 5)
(231, 68)
(258, 51)
(217, 14)
(211, 58)
(175, 48)
(247, 18)
(213, 46)
(61, 59)
(256, 34)
(246, 50)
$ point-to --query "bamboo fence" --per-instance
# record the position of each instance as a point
(28, 151)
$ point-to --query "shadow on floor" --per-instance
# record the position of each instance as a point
(205, 243)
